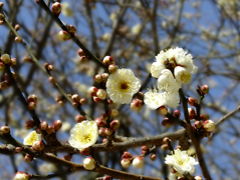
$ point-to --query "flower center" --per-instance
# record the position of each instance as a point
(180, 161)
(170, 63)
(86, 138)
(123, 86)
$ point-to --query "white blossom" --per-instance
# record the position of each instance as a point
(181, 162)
(122, 85)
(166, 82)
(31, 138)
(154, 99)
(83, 134)
(182, 75)
(172, 58)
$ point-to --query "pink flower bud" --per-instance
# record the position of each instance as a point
(192, 113)
(115, 124)
(126, 155)
(56, 8)
(192, 101)
(136, 104)
(57, 125)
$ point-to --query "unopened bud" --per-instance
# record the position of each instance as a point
(138, 162)
(107, 60)
(192, 113)
(209, 125)
(21, 176)
(112, 68)
(57, 125)
(125, 163)
(89, 163)
(102, 94)
(63, 35)
(136, 104)
(56, 8)
(100, 122)
(198, 124)
(153, 157)
(44, 125)
(81, 52)
(115, 124)
(32, 98)
(18, 39)
(17, 27)
(6, 58)
(93, 90)
(4, 130)
(204, 89)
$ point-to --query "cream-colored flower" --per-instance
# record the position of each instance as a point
(182, 75)
(31, 138)
(166, 82)
(122, 85)
(172, 58)
(83, 134)
(154, 99)
(181, 162)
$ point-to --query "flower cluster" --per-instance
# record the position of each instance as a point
(173, 68)
(83, 134)
(181, 162)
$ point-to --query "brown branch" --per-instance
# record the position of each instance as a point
(195, 140)
(42, 4)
